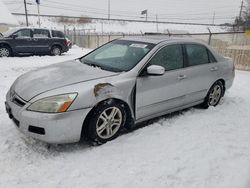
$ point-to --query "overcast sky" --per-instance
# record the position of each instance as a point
(199, 11)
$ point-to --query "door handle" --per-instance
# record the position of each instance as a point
(181, 77)
(214, 69)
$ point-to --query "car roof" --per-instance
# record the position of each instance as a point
(156, 39)
(36, 28)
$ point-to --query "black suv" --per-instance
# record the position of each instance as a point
(32, 41)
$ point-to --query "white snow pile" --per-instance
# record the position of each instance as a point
(6, 17)
(194, 148)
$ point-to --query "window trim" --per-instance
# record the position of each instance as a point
(142, 72)
(209, 51)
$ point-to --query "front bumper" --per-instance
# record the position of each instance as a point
(48, 127)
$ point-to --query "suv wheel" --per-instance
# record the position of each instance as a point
(56, 50)
(5, 51)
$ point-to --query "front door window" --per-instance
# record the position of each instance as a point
(24, 33)
(169, 57)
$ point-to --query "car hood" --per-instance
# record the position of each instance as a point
(55, 76)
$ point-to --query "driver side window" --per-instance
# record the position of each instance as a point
(24, 33)
(169, 57)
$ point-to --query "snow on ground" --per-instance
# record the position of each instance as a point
(194, 148)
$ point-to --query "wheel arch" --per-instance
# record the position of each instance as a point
(129, 118)
(223, 84)
(56, 44)
(5, 44)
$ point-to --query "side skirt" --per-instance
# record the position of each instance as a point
(168, 111)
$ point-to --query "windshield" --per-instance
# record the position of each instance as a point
(9, 32)
(118, 56)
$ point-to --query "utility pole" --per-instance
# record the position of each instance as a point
(241, 9)
(156, 18)
(26, 13)
(213, 18)
(38, 11)
(240, 14)
(108, 9)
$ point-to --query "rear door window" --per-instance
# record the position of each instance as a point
(41, 33)
(197, 54)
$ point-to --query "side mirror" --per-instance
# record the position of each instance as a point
(155, 70)
(14, 36)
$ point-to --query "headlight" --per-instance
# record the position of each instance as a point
(53, 104)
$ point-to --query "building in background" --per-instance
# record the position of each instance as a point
(6, 18)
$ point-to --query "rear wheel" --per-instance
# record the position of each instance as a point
(5, 51)
(106, 121)
(214, 95)
(56, 50)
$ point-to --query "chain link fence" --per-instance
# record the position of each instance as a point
(235, 45)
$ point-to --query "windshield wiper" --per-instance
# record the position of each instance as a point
(91, 64)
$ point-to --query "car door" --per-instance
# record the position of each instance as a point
(156, 94)
(201, 72)
(41, 40)
(22, 42)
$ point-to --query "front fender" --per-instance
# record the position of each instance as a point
(93, 92)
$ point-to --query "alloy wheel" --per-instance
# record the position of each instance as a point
(109, 122)
(56, 51)
(4, 52)
(215, 95)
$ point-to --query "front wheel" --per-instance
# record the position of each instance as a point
(214, 95)
(5, 51)
(107, 120)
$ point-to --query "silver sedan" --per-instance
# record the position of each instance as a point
(115, 86)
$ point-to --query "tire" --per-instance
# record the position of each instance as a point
(106, 122)
(5, 51)
(56, 50)
(214, 95)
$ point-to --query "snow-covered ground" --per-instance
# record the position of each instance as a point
(195, 148)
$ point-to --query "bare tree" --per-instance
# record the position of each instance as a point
(243, 20)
